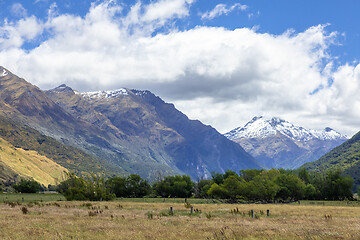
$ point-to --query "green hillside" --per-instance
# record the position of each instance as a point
(346, 156)
(19, 163)
(69, 157)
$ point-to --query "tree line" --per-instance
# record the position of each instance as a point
(250, 185)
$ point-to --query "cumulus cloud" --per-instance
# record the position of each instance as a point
(18, 10)
(14, 34)
(222, 9)
(222, 77)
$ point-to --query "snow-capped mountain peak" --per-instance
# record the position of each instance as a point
(261, 127)
(104, 94)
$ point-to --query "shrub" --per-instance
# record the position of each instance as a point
(27, 186)
(76, 188)
(25, 210)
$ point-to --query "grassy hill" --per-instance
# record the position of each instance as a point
(17, 162)
(73, 159)
(346, 156)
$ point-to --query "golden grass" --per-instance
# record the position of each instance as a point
(30, 164)
(131, 220)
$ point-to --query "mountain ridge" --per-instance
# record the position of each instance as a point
(277, 143)
(261, 126)
(139, 115)
(128, 131)
(345, 156)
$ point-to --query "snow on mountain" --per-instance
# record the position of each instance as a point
(104, 94)
(261, 127)
(4, 73)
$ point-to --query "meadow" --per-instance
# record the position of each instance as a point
(151, 219)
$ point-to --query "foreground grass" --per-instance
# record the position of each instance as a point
(145, 220)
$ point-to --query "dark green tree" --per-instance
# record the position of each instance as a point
(93, 188)
(174, 186)
(249, 174)
(202, 187)
(137, 187)
(218, 191)
(27, 186)
(117, 185)
(337, 187)
(291, 187)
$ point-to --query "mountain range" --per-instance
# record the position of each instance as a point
(345, 157)
(115, 132)
(277, 143)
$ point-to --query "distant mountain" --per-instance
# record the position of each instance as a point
(124, 131)
(346, 157)
(154, 132)
(277, 143)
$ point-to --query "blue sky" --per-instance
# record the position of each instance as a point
(219, 61)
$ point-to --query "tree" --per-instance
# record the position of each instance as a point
(337, 187)
(263, 187)
(234, 185)
(311, 193)
(218, 191)
(117, 185)
(304, 175)
(27, 186)
(136, 186)
(76, 188)
(174, 186)
(202, 187)
(291, 187)
(249, 174)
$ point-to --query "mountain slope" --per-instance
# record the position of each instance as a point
(69, 157)
(125, 131)
(346, 156)
(17, 162)
(154, 129)
(277, 143)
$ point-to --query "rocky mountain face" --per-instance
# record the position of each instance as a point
(128, 131)
(346, 157)
(276, 143)
(154, 132)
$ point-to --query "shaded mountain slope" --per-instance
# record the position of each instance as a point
(149, 126)
(124, 131)
(346, 156)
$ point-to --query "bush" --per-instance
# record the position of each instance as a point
(76, 188)
(132, 186)
(175, 186)
(27, 186)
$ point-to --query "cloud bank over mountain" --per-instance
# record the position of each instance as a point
(221, 76)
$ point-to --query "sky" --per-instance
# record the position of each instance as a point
(222, 62)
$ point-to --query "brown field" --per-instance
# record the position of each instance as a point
(141, 220)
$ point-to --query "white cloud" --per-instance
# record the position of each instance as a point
(222, 77)
(18, 10)
(14, 34)
(222, 9)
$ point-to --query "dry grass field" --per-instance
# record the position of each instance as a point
(141, 220)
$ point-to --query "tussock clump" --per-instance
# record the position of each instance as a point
(187, 205)
(95, 213)
(24, 210)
